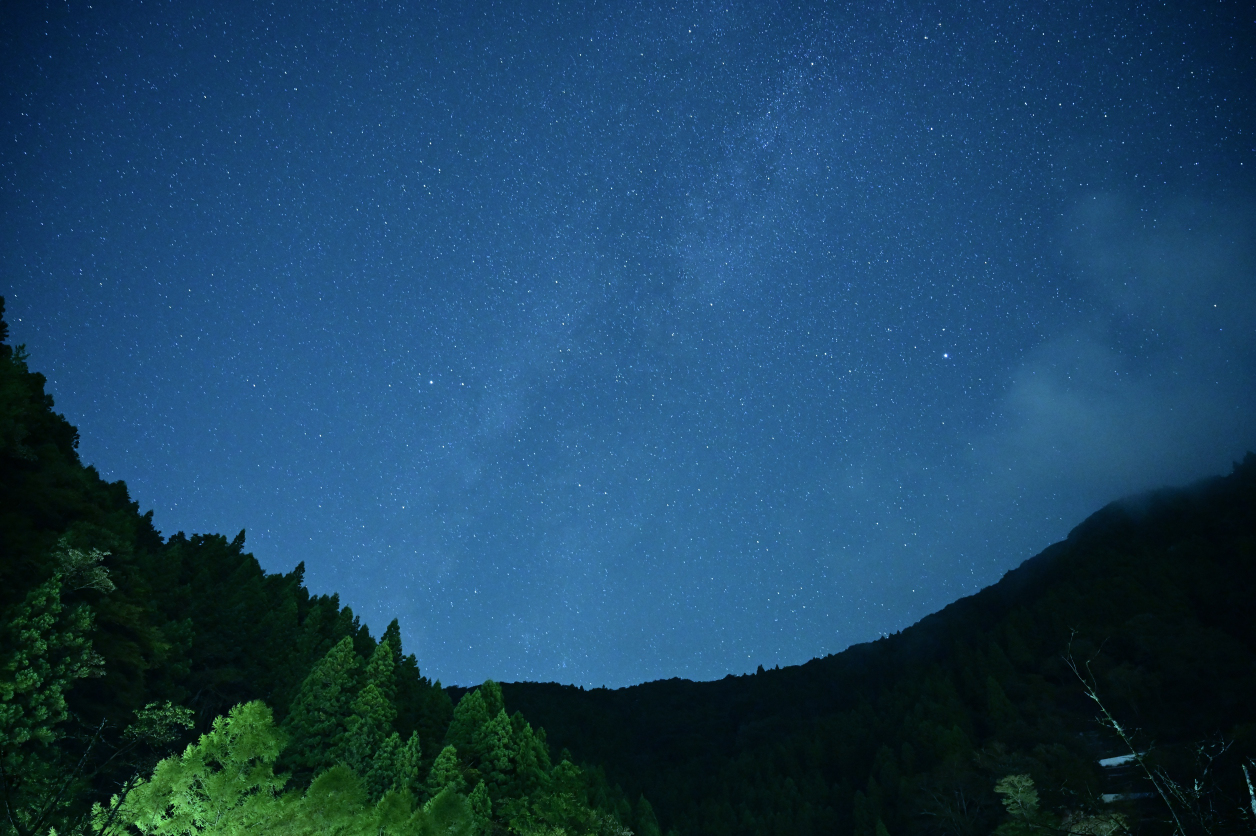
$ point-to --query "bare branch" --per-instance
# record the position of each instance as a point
(1091, 689)
(1251, 793)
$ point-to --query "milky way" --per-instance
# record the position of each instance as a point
(605, 342)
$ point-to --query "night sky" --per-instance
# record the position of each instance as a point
(607, 342)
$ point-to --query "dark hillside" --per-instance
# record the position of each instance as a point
(1157, 588)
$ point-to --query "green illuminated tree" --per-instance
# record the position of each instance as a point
(223, 784)
(44, 649)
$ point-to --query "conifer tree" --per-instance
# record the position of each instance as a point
(446, 772)
(321, 710)
(369, 725)
(646, 822)
(379, 678)
(481, 809)
(421, 706)
(393, 766)
(409, 763)
(430, 710)
(469, 715)
(379, 768)
(531, 757)
(392, 635)
(491, 693)
(310, 641)
(496, 744)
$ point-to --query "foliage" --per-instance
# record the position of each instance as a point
(1024, 817)
(1020, 798)
(45, 649)
(225, 785)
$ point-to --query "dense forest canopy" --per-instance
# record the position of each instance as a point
(168, 685)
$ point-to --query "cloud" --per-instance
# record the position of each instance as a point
(1153, 382)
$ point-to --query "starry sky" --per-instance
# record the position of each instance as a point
(607, 342)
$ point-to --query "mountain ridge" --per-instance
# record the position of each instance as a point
(676, 727)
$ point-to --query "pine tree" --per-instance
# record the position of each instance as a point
(481, 810)
(532, 759)
(321, 710)
(431, 709)
(421, 706)
(408, 765)
(311, 643)
(225, 785)
(469, 715)
(370, 723)
(392, 635)
(495, 742)
(865, 814)
(379, 674)
(379, 773)
(394, 766)
(446, 772)
(646, 822)
(491, 693)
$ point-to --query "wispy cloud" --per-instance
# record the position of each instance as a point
(1154, 382)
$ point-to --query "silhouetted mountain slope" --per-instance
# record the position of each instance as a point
(1162, 582)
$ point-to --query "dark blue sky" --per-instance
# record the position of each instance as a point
(608, 342)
